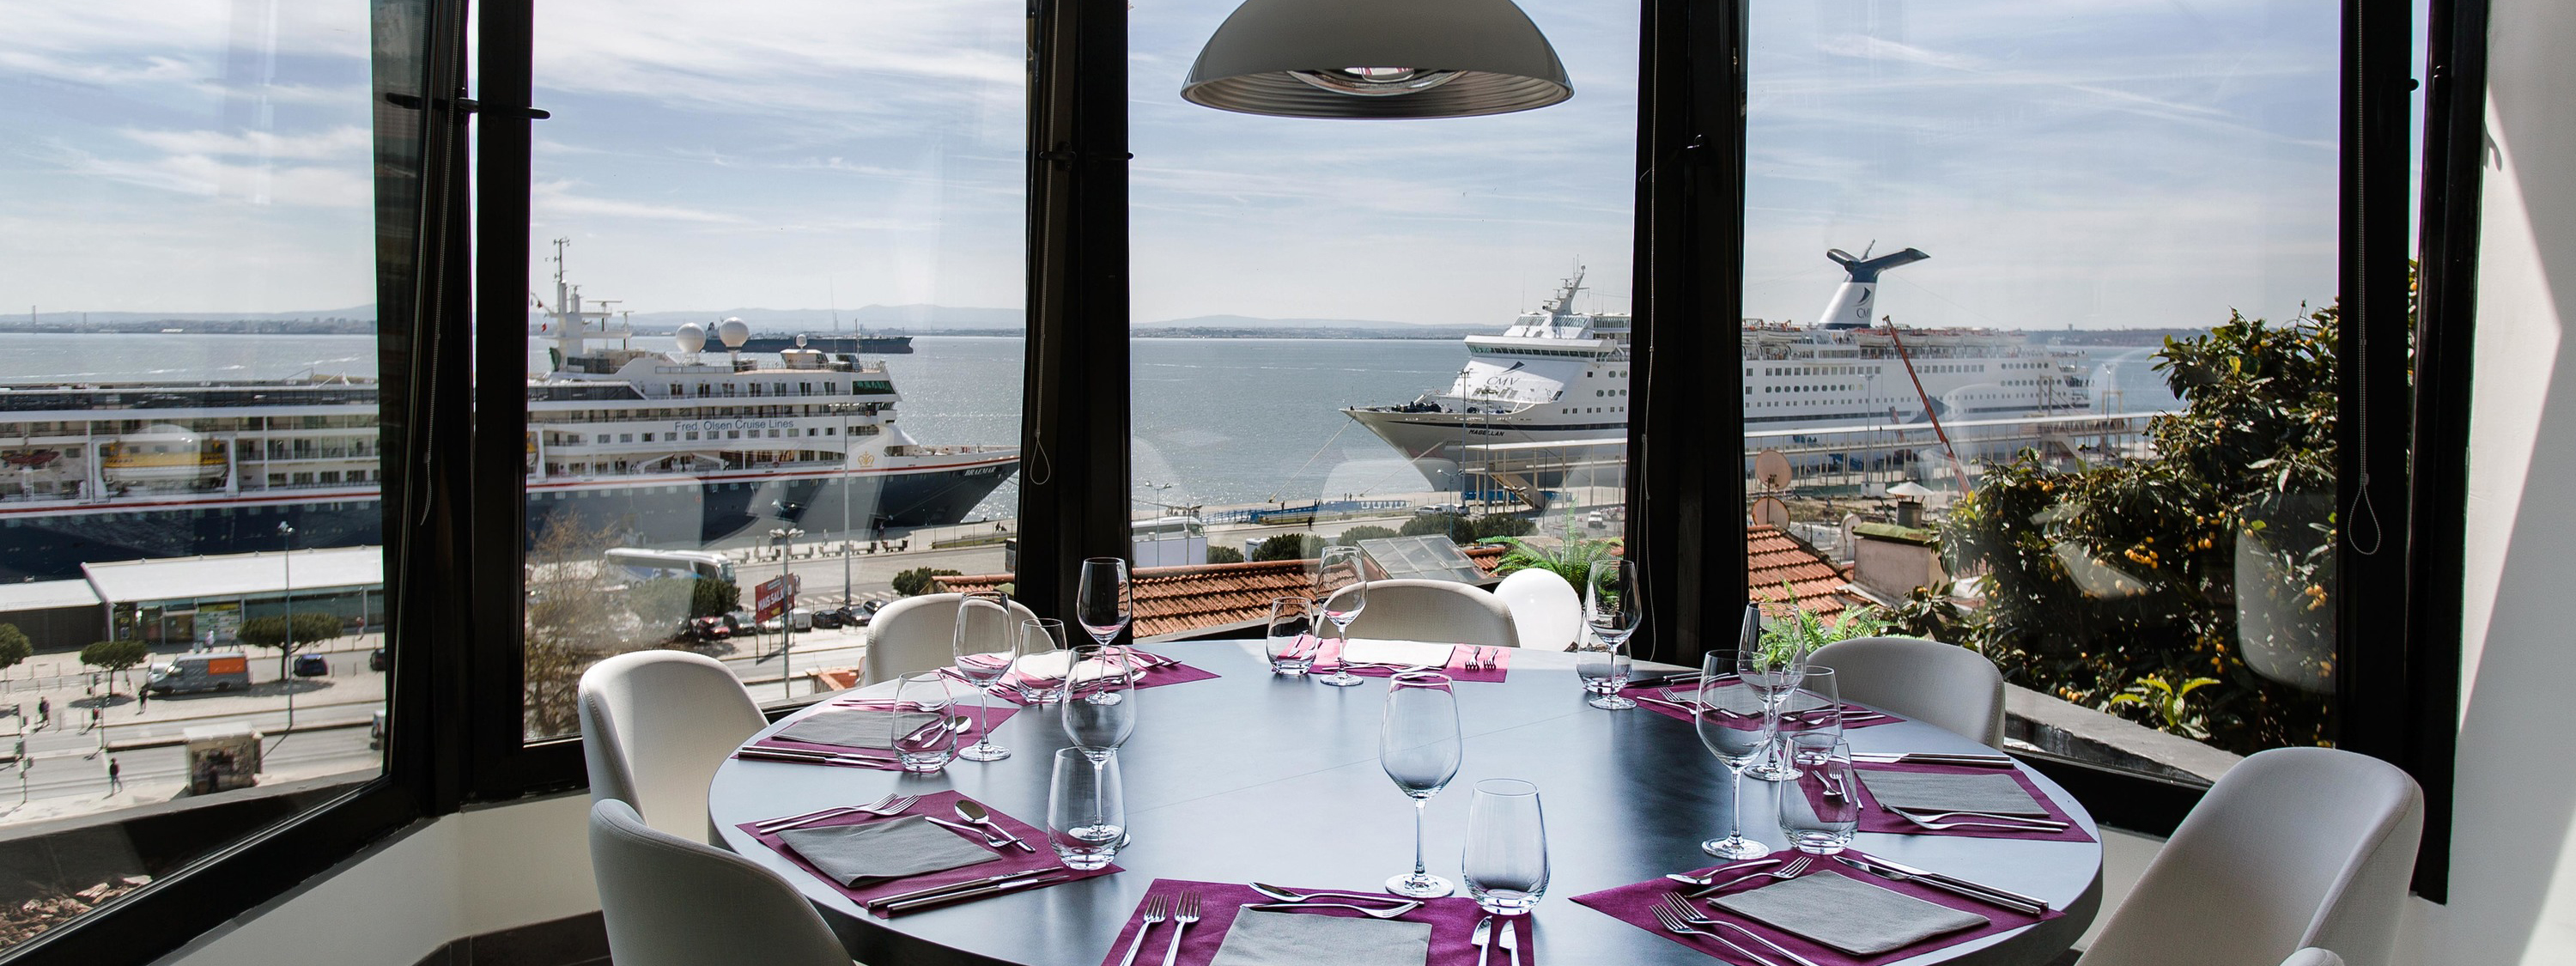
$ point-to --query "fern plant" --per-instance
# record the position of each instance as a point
(1571, 558)
(2170, 704)
(1802, 631)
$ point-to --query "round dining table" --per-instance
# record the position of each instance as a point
(1256, 777)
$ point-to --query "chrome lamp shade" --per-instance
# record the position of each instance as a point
(1377, 59)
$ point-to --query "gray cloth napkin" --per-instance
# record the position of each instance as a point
(1847, 914)
(1927, 792)
(1303, 939)
(852, 854)
(856, 729)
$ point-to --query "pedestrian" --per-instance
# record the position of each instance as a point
(115, 777)
(142, 700)
(44, 712)
(93, 718)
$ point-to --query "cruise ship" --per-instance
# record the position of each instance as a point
(1558, 375)
(684, 447)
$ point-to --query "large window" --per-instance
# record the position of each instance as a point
(774, 336)
(193, 631)
(1347, 332)
(2093, 434)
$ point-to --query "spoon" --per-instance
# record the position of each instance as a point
(1292, 895)
(974, 813)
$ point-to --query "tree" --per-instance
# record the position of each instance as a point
(572, 621)
(1353, 536)
(2123, 586)
(309, 629)
(1426, 524)
(114, 656)
(714, 597)
(1463, 530)
(1290, 546)
(1220, 555)
(915, 582)
(14, 646)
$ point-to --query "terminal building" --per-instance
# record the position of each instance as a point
(196, 600)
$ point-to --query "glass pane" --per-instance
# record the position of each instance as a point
(1998, 388)
(760, 239)
(1349, 331)
(192, 593)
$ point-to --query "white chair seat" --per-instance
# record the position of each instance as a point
(1433, 610)
(654, 727)
(917, 634)
(668, 901)
(1928, 681)
(1546, 612)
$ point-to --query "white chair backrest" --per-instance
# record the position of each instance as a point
(1928, 681)
(2313, 956)
(654, 727)
(1546, 612)
(2293, 847)
(1439, 611)
(919, 633)
(669, 901)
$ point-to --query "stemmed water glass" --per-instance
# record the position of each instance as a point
(983, 648)
(1104, 601)
(1100, 700)
(1814, 708)
(1341, 582)
(1734, 723)
(1774, 672)
(1291, 640)
(1418, 745)
(1612, 609)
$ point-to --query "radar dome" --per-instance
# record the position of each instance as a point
(734, 333)
(692, 337)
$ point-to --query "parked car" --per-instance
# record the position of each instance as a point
(311, 666)
(830, 618)
(705, 630)
(379, 659)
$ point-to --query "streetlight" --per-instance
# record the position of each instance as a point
(286, 575)
(785, 537)
(848, 452)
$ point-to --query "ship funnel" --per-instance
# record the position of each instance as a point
(1856, 299)
(692, 338)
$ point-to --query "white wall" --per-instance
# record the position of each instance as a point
(2513, 897)
(466, 874)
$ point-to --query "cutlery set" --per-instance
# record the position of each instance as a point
(1492, 933)
(1183, 912)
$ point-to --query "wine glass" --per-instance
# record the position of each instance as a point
(1613, 608)
(1814, 707)
(1040, 668)
(1418, 745)
(1100, 700)
(1105, 600)
(1341, 582)
(1735, 724)
(1818, 809)
(1774, 669)
(926, 746)
(1086, 810)
(1506, 854)
(983, 648)
(1291, 642)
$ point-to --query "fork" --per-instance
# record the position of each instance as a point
(889, 805)
(1664, 914)
(1701, 880)
(1155, 911)
(1183, 915)
(1789, 871)
(1693, 916)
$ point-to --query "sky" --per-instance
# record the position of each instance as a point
(2086, 163)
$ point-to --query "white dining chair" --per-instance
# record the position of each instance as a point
(1546, 612)
(918, 634)
(668, 901)
(2292, 848)
(1928, 681)
(654, 726)
(2312, 956)
(1440, 611)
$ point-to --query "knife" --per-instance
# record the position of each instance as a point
(978, 892)
(814, 758)
(1933, 758)
(941, 890)
(1955, 886)
(1483, 940)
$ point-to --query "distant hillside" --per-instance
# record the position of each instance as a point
(353, 320)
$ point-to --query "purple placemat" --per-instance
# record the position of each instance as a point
(1685, 693)
(1498, 663)
(1876, 819)
(1635, 905)
(941, 805)
(1000, 711)
(1453, 924)
(1163, 671)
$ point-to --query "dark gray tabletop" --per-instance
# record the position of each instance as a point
(1254, 777)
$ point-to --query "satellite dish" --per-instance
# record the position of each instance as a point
(1769, 511)
(1771, 469)
(692, 337)
(800, 340)
(733, 333)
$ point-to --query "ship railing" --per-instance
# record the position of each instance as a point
(962, 450)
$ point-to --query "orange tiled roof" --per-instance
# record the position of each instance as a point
(1175, 599)
(1771, 557)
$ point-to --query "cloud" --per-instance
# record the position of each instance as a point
(561, 199)
(343, 141)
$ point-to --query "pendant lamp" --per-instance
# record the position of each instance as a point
(1377, 58)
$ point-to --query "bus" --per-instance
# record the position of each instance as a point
(639, 565)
